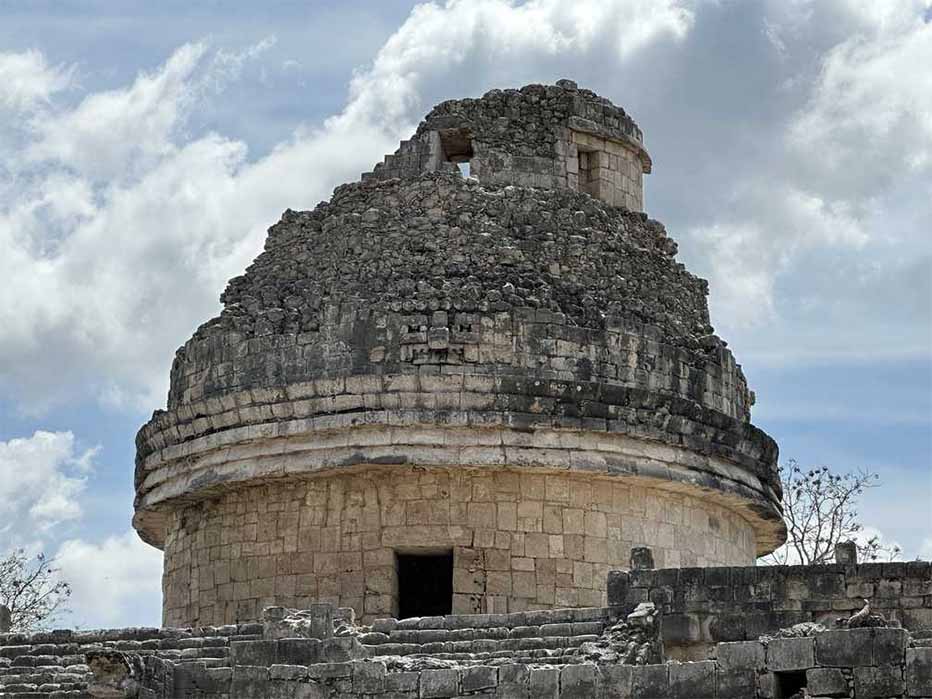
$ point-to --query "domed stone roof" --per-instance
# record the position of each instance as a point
(536, 326)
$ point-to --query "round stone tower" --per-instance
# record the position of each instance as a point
(471, 382)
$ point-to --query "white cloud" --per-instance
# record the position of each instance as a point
(114, 583)
(823, 251)
(110, 133)
(27, 80)
(872, 105)
(41, 479)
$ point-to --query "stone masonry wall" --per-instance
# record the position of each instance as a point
(520, 540)
(860, 663)
(551, 137)
(705, 606)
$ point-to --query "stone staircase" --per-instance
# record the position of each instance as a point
(491, 639)
(291, 647)
(58, 664)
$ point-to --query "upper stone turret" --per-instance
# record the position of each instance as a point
(553, 136)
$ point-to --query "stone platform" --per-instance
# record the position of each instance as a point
(602, 652)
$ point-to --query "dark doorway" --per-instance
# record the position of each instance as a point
(790, 685)
(425, 584)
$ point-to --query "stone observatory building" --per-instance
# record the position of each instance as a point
(472, 382)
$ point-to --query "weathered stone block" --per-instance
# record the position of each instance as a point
(298, 651)
(681, 628)
(341, 649)
(288, 672)
(826, 682)
(439, 683)
(543, 683)
(846, 553)
(649, 681)
(919, 672)
(844, 648)
(368, 678)
(745, 655)
(791, 654)
(889, 646)
(480, 677)
(402, 681)
(691, 680)
(735, 684)
(618, 581)
(249, 681)
(879, 681)
(254, 653)
(727, 627)
(579, 682)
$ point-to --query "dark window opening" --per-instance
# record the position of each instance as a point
(790, 685)
(457, 148)
(588, 172)
(425, 584)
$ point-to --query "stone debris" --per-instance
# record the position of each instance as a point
(804, 630)
(116, 674)
(634, 641)
(863, 618)
(314, 622)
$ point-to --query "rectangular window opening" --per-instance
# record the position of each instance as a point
(790, 685)
(588, 172)
(457, 148)
(425, 583)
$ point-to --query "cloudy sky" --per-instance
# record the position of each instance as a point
(146, 147)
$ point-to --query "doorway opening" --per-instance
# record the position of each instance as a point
(589, 163)
(789, 685)
(425, 583)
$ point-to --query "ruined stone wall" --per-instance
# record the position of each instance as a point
(553, 654)
(551, 137)
(705, 606)
(520, 540)
(860, 663)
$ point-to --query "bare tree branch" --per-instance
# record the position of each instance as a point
(820, 510)
(32, 589)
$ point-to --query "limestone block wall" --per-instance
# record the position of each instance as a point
(606, 169)
(520, 540)
(703, 606)
(551, 137)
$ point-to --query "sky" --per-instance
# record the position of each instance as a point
(145, 148)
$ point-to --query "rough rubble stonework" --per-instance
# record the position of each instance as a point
(510, 366)
(622, 651)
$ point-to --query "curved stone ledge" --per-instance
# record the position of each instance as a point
(461, 400)
(300, 448)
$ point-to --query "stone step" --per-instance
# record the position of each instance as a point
(508, 658)
(488, 646)
(606, 615)
(441, 635)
